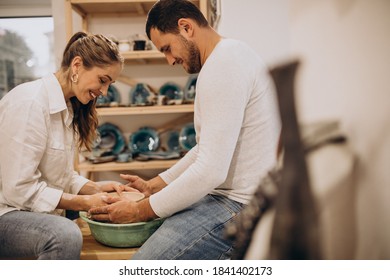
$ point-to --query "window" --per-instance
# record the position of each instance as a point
(26, 50)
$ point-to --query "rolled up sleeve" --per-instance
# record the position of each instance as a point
(77, 183)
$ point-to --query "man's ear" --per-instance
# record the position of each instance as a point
(186, 26)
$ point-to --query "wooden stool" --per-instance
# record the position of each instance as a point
(93, 250)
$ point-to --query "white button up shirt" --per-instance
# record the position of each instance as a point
(36, 148)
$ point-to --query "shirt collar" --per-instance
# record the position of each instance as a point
(56, 96)
(68, 114)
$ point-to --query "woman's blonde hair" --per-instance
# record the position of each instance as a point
(95, 51)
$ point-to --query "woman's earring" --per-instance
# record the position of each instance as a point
(74, 78)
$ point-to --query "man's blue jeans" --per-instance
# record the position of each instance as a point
(26, 234)
(196, 233)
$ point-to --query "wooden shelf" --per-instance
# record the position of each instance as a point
(133, 165)
(145, 110)
(133, 7)
(116, 8)
(148, 54)
(144, 57)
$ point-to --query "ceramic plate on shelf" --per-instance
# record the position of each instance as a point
(158, 155)
(113, 95)
(170, 141)
(141, 95)
(111, 138)
(145, 139)
(190, 88)
(102, 159)
(171, 91)
(187, 137)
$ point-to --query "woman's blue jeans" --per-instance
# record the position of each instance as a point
(26, 234)
(196, 233)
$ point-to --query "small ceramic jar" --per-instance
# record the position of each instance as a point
(124, 46)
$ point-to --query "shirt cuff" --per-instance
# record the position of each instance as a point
(47, 201)
(165, 176)
(77, 183)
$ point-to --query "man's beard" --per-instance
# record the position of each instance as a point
(193, 59)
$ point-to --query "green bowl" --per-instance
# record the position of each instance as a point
(121, 235)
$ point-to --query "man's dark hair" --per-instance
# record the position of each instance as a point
(165, 14)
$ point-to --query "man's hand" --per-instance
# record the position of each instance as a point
(146, 187)
(122, 211)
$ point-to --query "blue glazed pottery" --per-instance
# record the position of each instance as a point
(111, 138)
(146, 139)
(172, 92)
(113, 95)
(187, 137)
(190, 88)
(141, 95)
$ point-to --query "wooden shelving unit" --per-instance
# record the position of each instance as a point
(86, 166)
(129, 9)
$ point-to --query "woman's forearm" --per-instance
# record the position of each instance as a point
(73, 202)
(89, 188)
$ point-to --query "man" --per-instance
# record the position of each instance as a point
(237, 128)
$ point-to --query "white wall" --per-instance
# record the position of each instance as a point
(344, 47)
(27, 8)
(263, 24)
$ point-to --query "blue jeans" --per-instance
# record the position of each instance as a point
(26, 234)
(196, 233)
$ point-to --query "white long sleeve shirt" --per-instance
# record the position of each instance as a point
(237, 128)
(36, 148)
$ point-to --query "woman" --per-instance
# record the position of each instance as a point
(39, 121)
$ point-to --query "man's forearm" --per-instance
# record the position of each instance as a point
(145, 211)
(157, 184)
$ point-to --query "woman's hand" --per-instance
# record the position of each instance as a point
(84, 202)
(94, 200)
(116, 187)
(95, 187)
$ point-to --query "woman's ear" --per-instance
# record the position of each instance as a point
(76, 64)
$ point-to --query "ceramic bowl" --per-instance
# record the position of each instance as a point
(134, 196)
(139, 45)
(121, 235)
(124, 157)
